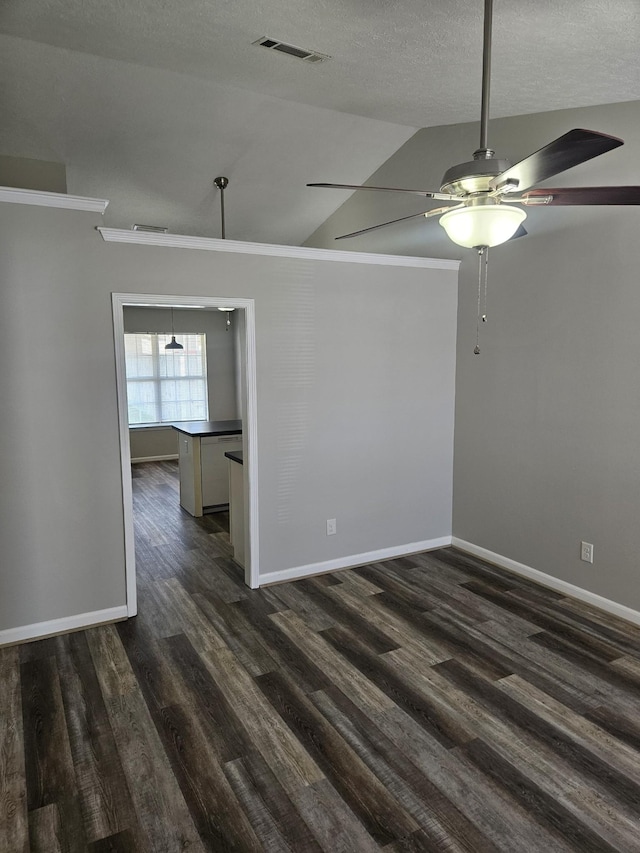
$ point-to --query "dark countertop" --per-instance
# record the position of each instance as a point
(235, 456)
(200, 428)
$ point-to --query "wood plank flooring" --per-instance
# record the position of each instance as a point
(430, 703)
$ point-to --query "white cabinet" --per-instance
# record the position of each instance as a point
(236, 510)
(204, 473)
(190, 476)
(215, 469)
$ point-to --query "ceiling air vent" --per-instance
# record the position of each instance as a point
(154, 229)
(298, 52)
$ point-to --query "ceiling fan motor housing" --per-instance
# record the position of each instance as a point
(472, 177)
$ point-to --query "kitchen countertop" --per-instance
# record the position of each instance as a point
(200, 428)
(235, 456)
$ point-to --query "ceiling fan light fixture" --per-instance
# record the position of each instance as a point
(487, 225)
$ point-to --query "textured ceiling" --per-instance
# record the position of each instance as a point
(145, 101)
(412, 62)
(152, 141)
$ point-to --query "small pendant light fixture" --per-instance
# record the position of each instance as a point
(228, 310)
(174, 344)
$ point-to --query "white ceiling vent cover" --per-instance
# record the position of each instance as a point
(291, 50)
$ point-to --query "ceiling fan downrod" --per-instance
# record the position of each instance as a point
(484, 152)
(471, 179)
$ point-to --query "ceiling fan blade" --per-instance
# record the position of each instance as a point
(575, 147)
(521, 232)
(581, 195)
(423, 193)
(435, 212)
(382, 225)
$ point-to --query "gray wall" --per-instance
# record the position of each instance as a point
(546, 441)
(355, 377)
(61, 529)
(152, 442)
(547, 446)
(221, 368)
(30, 174)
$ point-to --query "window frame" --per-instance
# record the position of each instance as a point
(156, 378)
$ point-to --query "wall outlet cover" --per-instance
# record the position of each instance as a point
(586, 552)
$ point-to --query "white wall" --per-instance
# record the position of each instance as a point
(355, 377)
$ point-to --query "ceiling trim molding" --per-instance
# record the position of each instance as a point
(213, 244)
(60, 200)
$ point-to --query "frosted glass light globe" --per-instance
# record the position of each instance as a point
(486, 225)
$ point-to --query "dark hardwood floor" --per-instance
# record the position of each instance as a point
(430, 703)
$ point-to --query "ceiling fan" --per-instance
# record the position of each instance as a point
(486, 190)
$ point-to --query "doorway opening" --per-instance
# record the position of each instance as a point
(246, 379)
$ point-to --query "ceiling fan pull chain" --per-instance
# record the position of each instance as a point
(476, 349)
(486, 279)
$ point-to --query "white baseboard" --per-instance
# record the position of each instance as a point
(40, 630)
(353, 560)
(154, 458)
(558, 585)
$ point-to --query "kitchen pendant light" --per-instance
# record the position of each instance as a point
(174, 344)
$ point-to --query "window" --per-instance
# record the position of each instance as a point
(166, 385)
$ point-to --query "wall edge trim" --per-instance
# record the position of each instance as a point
(60, 200)
(353, 560)
(573, 591)
(39, 630)
(213, 244)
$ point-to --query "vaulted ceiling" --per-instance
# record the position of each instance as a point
(146, 101)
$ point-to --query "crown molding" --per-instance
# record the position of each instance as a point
(60, 200)
(212, 244)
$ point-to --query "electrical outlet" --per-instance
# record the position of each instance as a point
(331, 527)
(586, 552)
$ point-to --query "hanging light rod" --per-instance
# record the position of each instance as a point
(221, 183)
(486, 78)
